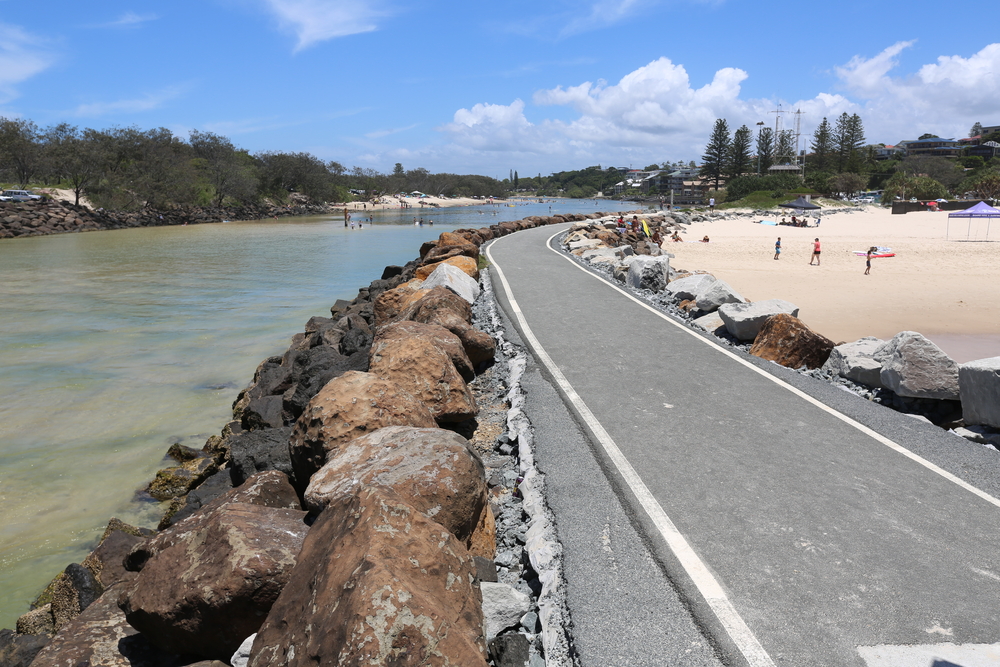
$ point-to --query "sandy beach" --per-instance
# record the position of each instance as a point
(948, 290)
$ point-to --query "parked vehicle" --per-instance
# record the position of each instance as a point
(21, 195)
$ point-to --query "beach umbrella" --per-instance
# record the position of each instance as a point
(801, 204)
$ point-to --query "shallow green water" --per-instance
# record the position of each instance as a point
(115, 344)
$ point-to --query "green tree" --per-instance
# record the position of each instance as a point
(398, 169)
(71, 157)
(928, 136)
(848, 138)
(901, 186)
(20, 150)
(785, 150)
(942, 170)
(976, 130)
(985, 185)
(515, 180)
(713, 162)
(765, 149)
(822, 145)
(739, 159)
(230, 171)
(849, 183)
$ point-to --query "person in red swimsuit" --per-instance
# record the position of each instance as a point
(815, 254)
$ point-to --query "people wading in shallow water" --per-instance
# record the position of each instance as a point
(815, 254)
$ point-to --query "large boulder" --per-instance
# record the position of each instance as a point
(347, 407)
(444, 308)
(711, 323)
(19, 650)
(715, 295)
(256, 451)
(314, 368)
(429, 362)
(744, 320)
(102, 636)
(785, 340)
(390, 303)
(979, 385)
(267, 489)
(452, 277)
(503, 607)
(434, 469)
(650, 273)
(854, 361)
(214, 585)
(467, 264)
(914, 366)
(378, 583)
(690, 287)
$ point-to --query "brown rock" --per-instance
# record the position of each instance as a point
(107, 560)
(466, 264)
(212, 588)
(452, 238)
(443, 307)
(443, 252)
(483, 541)
(786, 340)
(378, 583)
(269, 488)
(347, 407)
(102, 636)
(390, 303)
(429, 362)
(434, 469)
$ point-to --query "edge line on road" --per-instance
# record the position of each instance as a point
(798, 392)
(699, 572)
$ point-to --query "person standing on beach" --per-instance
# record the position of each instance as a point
(868, 261)
(711, 204)
(815, 254)
(777, 248)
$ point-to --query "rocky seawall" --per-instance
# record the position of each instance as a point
(372, 501)
(907, 373)
(43, 217)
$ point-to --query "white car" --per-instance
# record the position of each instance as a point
(20, 195)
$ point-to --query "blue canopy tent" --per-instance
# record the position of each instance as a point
(981, 211)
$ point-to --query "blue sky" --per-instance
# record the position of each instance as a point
(483, 88)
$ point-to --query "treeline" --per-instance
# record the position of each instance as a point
(127, 169)
(838, 160)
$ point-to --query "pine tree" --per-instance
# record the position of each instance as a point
(822, 145)
(515, 179)
(765, 149)
(977, 129)
(713, 162)
(739, 159)
(785, 152)
(848, 138)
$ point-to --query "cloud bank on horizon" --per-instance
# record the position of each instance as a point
(453, 87)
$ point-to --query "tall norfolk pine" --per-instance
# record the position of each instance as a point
(739, 161)
(713, 162)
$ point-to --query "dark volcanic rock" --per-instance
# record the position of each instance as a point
(313, 370)
(19, 650)
(255, 451)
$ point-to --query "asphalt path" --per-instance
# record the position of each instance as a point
(800, 524)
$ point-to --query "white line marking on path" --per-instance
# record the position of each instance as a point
(801, 394)
(708, 586)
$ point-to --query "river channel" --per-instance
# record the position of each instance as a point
(114, 345)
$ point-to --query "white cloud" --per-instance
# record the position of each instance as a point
(22, 56)
(944, 98)
(655, 113)
(603, 13)
(378, 134)
(146, 102)
(128, 20)
(314, 21)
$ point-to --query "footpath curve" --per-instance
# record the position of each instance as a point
(802, 525)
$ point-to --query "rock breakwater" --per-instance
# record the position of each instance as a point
(43, 217)
(379, 471)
